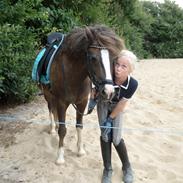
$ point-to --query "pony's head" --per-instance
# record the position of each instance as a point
(99, 68)
(104, 46)
(101, 45)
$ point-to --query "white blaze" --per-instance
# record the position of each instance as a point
(109, 89)
(106, 63)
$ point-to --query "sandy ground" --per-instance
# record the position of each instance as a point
(153, 132)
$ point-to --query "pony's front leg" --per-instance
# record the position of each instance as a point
(61, 132)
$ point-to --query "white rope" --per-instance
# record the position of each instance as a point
(9, 166)
(167, 131)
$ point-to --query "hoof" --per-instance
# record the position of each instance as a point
(81, 152)
(53, 132)
(128, 175)
(60, 158)
(60, 162)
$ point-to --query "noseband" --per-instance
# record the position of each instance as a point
(99, 84)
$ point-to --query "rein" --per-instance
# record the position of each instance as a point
(75, 107)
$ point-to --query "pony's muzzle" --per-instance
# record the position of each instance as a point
(109, 90)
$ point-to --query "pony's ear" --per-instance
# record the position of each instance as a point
(89, 34)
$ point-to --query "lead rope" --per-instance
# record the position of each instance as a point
(75, 107)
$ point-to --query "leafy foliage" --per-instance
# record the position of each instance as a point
(165, 36)
(149, 29)
(16, 63)
(131, 22)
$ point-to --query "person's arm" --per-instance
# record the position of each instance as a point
(119, 108)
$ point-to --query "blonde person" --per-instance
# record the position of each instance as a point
(110, 115)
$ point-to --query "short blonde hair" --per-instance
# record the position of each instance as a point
(132, 58)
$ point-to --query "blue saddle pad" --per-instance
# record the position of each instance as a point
(43, 61)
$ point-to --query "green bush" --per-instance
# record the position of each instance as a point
(17, 52)
(131, 22)
(149, 29)
(165, 36)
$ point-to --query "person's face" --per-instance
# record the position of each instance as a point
(122, 68)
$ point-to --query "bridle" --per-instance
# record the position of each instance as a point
(99, 83)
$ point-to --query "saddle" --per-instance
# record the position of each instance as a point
(42, 63)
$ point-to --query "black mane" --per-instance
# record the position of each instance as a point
(79, 39)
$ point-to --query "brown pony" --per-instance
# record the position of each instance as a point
(85, 56)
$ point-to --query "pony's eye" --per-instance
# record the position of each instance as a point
(93, 58)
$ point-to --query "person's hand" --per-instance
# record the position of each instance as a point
(106, 129)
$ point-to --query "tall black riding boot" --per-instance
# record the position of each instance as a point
(126, 167)
(106, 155)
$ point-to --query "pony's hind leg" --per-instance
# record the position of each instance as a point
(53, 119)
(79, 128)
(80, 145)
(53, 124)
